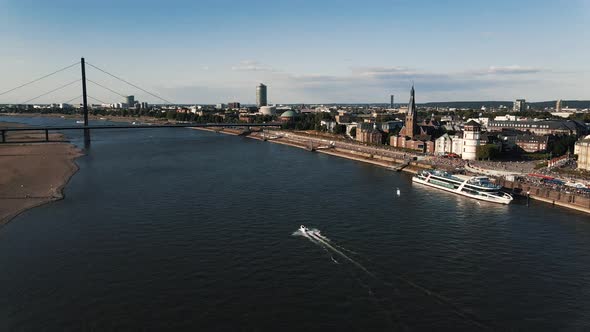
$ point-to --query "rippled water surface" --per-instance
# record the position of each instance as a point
(184, 229)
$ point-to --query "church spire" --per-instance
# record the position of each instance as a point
(411, 127)
(412, 104)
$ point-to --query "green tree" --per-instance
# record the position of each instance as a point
(353, 132)
(339, 129)
(171, 115)
(488, 151)
(560, 145)
(584, 117)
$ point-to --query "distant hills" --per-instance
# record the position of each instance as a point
(495, 104)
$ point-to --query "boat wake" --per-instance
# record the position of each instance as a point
(316, 237)
(322, 240)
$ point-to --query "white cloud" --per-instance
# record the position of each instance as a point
(383, 72)
(362, 84)
(373, 84)
(511, 70)
(251, 65)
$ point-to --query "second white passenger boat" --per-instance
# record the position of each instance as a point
(478, 187)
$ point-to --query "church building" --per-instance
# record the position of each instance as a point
(412, 135)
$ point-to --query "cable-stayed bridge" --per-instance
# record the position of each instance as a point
(86, 127)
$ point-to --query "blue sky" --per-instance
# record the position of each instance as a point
(210, 51)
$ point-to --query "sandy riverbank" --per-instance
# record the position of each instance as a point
(32, 174)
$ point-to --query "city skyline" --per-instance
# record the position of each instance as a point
(305, 52)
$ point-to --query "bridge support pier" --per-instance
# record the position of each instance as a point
(86, 137)
(46, 135)
(3, 136)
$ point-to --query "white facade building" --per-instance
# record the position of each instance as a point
(506, 118)
(482, 121)
(268, 110)
(582, 149)
(443, 145)
(448, 144)
(330, 125)
(349, 127)
(471, 137)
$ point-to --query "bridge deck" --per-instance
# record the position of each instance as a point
(46, 129)
(142, 126)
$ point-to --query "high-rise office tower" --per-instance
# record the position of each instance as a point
(261, 95)
(130, 101)
(519, 105)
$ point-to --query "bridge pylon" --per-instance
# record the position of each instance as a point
(85, 102)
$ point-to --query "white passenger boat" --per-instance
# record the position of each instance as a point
(478, 187)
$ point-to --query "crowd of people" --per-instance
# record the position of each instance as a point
(521, 167)
(446, 163)
(523, 170)
(558, 186)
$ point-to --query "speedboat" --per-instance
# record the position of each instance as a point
(303, 229)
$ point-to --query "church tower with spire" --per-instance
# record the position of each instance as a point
(411, 127)
(413, 136)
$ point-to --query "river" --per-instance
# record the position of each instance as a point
(183, 229)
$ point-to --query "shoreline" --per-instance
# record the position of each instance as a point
(413, 168)
(33, 174)
(384, 162)
(34, 200)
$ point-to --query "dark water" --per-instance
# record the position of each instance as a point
(180, 229)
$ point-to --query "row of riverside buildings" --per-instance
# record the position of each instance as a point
(422, 137)
(455, 136)
(450, 135)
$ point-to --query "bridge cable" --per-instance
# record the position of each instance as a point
(98, 100)
(67, 102)
(46, 93)
(40, 78)
(133, 85)
(106, 88)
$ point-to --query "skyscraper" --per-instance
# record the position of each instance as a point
(519, 105)
(391, 106)
(130, 101)
(558, 106)
(261, 95)
(233, 105)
